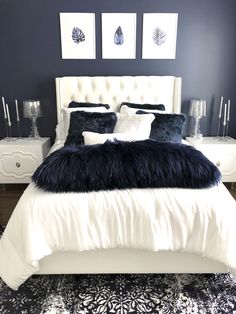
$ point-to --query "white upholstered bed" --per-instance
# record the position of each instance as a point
(114, 90)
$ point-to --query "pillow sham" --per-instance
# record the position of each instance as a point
(136, 125)
(91, 138)
(167, 127)
(127, 110)
(81, 121)
(75, 104)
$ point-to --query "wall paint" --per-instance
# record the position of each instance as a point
(30, 53)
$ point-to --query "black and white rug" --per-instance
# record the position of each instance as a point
(121, 294)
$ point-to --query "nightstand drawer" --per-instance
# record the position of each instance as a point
(18, 164)
(226, 163)
(222, 152)
(20, 157)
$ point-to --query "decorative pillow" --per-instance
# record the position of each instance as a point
(91, 138)
(167, 127)
(143, 106)
(136, 125)
(81, 121)
(75, 104)
(128, 110)
(67, 112)
(132, 108)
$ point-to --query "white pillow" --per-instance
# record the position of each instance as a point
(91, 138)
(64, 126)
(138, 125)
(127, 110)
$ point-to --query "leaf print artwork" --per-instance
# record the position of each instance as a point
(159, 36)
(78, 35)
(119, 37)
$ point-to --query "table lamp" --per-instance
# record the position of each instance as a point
(197, 109)
(32, 110)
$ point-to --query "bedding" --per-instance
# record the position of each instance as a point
(81, 121)
(124, 165)
(166, 127)
(91, 138)
(129, 110)
(75, 104)
(186, 220)
(127, 107)
(136, 125)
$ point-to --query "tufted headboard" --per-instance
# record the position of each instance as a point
(113, 90)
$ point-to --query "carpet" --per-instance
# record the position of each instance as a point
(121, 294)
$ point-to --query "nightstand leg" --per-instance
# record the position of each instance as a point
(233, 185)
(2, 187)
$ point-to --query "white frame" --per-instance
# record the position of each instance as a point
(85, 49)
(110, 23)
(166, 22)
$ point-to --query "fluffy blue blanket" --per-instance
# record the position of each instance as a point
(124, 165)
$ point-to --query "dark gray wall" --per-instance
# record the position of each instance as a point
(30, 53)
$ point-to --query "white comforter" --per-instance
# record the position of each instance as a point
(200, 221)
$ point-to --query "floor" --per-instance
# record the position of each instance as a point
(10, 196)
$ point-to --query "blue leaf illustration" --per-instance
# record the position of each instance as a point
(78, 35)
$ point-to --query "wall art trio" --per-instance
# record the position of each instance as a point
(78, 36)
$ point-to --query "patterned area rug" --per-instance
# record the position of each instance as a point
(121, 294)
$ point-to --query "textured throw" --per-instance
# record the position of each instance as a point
(125, 165)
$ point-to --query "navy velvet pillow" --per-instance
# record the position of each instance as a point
(75, 104)
(143, 106)
(167, 127)
(81, 121)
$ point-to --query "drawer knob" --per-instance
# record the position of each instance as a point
(17, 164)
(217, 164)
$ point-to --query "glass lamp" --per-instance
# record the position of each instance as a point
(197, 109)
(32, 110)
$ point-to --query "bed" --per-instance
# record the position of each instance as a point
(38, 211)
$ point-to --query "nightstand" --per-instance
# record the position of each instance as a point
(19, 158)
(221, 152)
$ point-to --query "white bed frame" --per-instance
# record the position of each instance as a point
(114, 90)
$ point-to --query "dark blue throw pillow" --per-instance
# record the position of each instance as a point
(75, 104)
(166, 127)
(143, 106)
(81, 121)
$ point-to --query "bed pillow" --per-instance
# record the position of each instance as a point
(91, 138)
(75, 104)
(136, 125)
(67, 112)
(132, 108)
(167, 127)
(81, 121)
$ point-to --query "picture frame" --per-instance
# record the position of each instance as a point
(118, 35)
(78, 35)
(159, 35)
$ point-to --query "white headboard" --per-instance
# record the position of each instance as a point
(113, 90)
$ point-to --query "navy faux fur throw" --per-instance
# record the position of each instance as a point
(124, 165)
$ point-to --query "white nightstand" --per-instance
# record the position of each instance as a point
(20, 157)
(221, 152)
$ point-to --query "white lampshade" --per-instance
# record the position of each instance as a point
(197, 108)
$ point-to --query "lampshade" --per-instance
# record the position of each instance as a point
(31, 108)
(197, 108)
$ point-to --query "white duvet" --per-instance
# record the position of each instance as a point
(199, 221)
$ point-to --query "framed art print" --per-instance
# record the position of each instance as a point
(78, 35)
(159, 35)
(118, 35)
